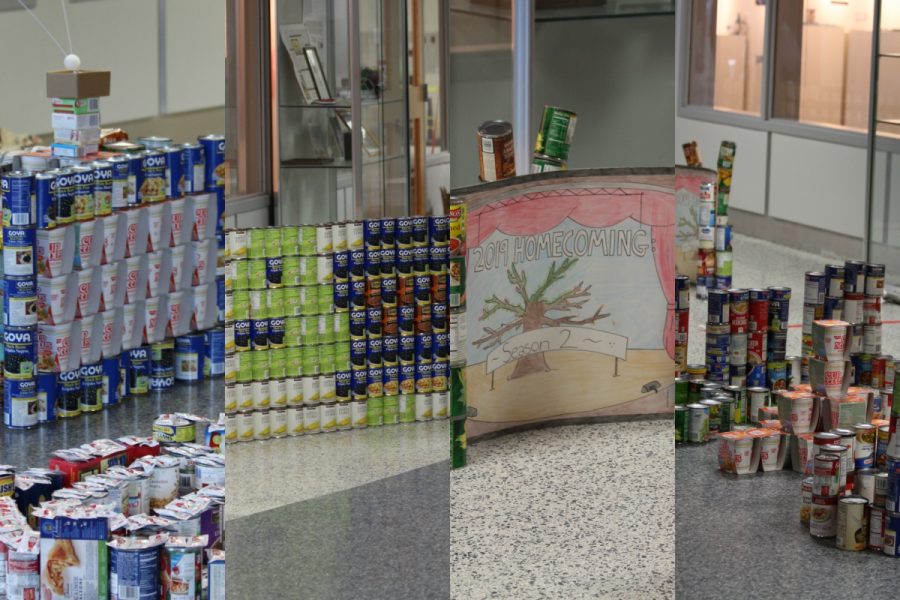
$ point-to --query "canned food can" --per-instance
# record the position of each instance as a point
(698, 423)
(852, 525)
(815, 287)
(854, 277)
(375, 411)
(372, 234)
(822, 516)
(876, 528)
(874, 280)
(718, 307)
(779, 308)
(554, 138)
(496, 151)
(806, 503)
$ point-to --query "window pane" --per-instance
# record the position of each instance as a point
(726, 54)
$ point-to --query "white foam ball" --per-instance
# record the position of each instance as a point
(72, 62)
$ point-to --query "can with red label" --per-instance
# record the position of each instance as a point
(823, 516)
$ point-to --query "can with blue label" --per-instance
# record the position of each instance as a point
(357, 293)
(358, 383)
(103, 188)
(834, 306)
(18, 197)
(375, 382)
(154, 168)
(403, 235)
(373, 321)
(358, 350)
(424, 347)
(341, 266)
(19, 252)
(357, 324)
(406, 320)
(420, 231)
(274, 272)
(406, 348)
(391, 380)
(174, 175)
(45, 199)
(424, 372)
(91, 387)
(162, 365)
(241, 330)
(134, 568)
(421, 260)
(20, 403)
(779, 308)
(441, 344)
(440, 375)
(83, 207)
(68, 394)
(189, 352)
(276, 332)
(65, 196)
(214, 161)
(46, 396)
(854, 277)
(374, 354)
(119, 168)
(193, 168)
(405, 261)
(439, 230)
(390, 349)
(19, 301)
(357, 263)
(388, 262)
(439, 259)
(717, 307)
(259, 334)
(135, 180)
(138, 366)
(389, 291)
(19, 353)
(388, 233)
(756, 376)
(111, 377)
(373, 263)
(343, 382)
(214, 353)
(440, 320)
(372, 234)
(407, 378)
(342, 296)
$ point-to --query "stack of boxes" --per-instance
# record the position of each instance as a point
(76, 127)
(458, 402)
(335, 326)
(714, 256)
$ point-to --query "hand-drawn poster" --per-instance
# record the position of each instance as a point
(687, 197)
(570, 291)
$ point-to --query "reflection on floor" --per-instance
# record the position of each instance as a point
(735, 535)
(133, 416)
(581, 511)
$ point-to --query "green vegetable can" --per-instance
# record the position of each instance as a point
(406, 408)
(458, 404)
(391, 405)
(681, 424)
(375, 412)
(555, 135)
(682, 390)
(458, 444)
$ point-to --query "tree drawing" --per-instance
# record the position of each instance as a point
(531, 312)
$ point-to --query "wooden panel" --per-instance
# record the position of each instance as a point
(822, 74)
(731, 72)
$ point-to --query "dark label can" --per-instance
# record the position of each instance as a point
(153, 188)
(139, 370)
(372, 234)
(405, 260)
(214, 161)
(388, 262)
(112, 391)
(46, 396)
(439, 230)
(424, 382)
(91, 387)
(103, 188)
(45, 199)
(855, 277)
(68, 394)
(815, 287)
(406, 319)
(19, 353)
(65, 196)
(421, 262)
(419, 231)
(18, 197)
(193, 168)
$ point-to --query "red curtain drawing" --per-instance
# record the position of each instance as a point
(534, 213)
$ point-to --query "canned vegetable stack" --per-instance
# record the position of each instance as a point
(706, 240)
(714, 256)
(682, 320)
(458, 402)
(554, 140)
(718, 336)
(121, 268)
(336, 326)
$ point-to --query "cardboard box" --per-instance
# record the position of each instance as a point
(70, 121)
(74, 558)
(77, 84)
(74, 150)
(88, 135)
(216, 574)
(76, 105)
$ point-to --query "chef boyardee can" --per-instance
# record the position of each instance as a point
(17, 190)
(91, 387)
(68, 394)
(555, 134)
(19, 301)
(20, 403)
(19, 353)
(45, 199)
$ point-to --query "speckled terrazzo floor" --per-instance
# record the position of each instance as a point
(742, 537)
(579, 511)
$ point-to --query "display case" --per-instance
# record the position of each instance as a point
(340, 115)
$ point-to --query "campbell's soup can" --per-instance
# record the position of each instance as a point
(823, 516)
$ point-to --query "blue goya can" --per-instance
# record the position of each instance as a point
(357, 324)
(214, 156)
(343, 384)
(45, 199)
(189, 352)
(815, 287)
(391, 380)
(718, 343)
(388, 262)
(135, 179)
(358, 389)
(174, 174)
(375, 382)
(756, 376)
(779, 308)
(46, 395)
(723, 282)
(405, 260)
(407, 380)
(406, 348)
(373, 321)
(389, 291)
(421, 262)
(65, 196)
(111, 381)
(342, 296)
(139, 370)
(119, 165)
(91, 387)
(358, 353)
(19, 301)
(390, 348)
(833, 305)
(357, 292)
(341, 266)
(441, 344)
(422, 289)
(259, 334)
(125, 377)
(439, 230)
(682, 292)
(892, 496)
(374, 352)
(440, 321)
(193, 168)
(372, 234)
(424, 373)
(406, 319)
(241, 338)
(103, 188)
(388, 233)
(17, 191)
(404, 232)
(373, 263)
(854, 277)
(424, 347)
(439, 259)
(357, 264)
(276, 332)
(68, 394)
(420, 231)
(776, 374)
(19, 352)
(834, 280)
(19, 252)
(20, 403)
(274, 272)
(214, 352)
(134, 571)
(718, 307)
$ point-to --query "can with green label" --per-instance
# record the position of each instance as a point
(457, 444)
(457, 281)
(309, 301)
(458, 404)
(239, 274)
(341, 357)
(260, 363)
(259, 304)
(391, 410)
(309, 360)
(309, 330)
(681, 423)
(325, 297)
(273, 242)
(275, 303)
(682, 390)
(308, 271)
(290, 271)
(290, 240)
(726, 412)
(256, 270)
(293, 360)
(277, 363)
(326, 328)
(739, 410)
(406, 408)
(293, 334)
(554, 138)
(326, 358)
(240, 302)
(256, 243)
(291, 301)
(244, 367)
(342, 327)
(375, 411)
(307, 240)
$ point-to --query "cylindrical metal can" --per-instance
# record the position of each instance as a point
(822, 516)
(496, 150)
(852, 527)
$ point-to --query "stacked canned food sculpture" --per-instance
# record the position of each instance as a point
(714, 256)
(336, 326)
(554, 140)
(682, 321)
(458, 402)
(105, 264)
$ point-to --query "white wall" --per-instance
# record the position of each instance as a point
(120, 36)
